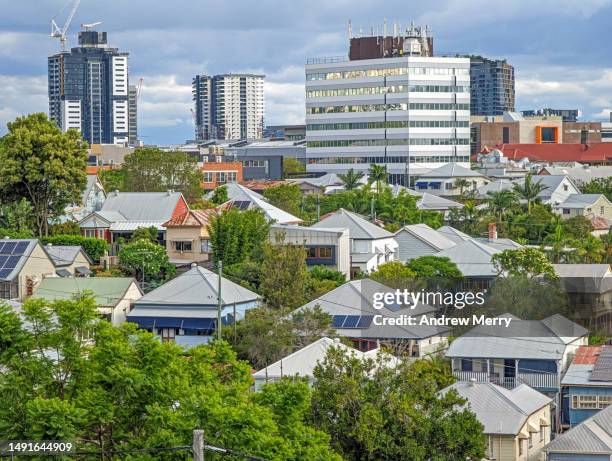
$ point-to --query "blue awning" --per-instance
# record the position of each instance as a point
(435, 183)
(174, 322)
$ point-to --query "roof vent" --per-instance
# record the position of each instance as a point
(194, 265)
(6, 237)
(49, 245)
(472, 382)
(116, 191)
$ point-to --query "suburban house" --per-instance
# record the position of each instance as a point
(557, 188)
(453, 234)
(184, 310)
(371, 245)
(517, 422)
(418, 240)
(324, 246)
(444, 180)
(302, 362)
(580, 174)
(23, 265)
(430, 202)
(585, 205)
(124, 212)
(326, 184)
(589, 288)
(354, 316)
(242, 198)
(588, 441)
(532, 352)
(113, 295)
(587, 384)
(216, 173)
(69, 260)
(91, 200)
(187, 239)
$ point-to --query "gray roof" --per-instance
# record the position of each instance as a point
(356, 298)
(428, 235)
(452, 170)
(329, 179)
(581, 201)
(252, 199)
(581, 173)
(434, 202)
(592, 436)
(64, 255)
(397, 189)
(472, 257)
(523, 339)
(584, 278)
(141, 206)
(501, 411)
(358, 226)
(235, 190)
(453, 234)
(579, 374)
(500, 243)
(92, 179)
(195, 288)
(12, 262)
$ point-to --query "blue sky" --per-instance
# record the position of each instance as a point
(561, 49)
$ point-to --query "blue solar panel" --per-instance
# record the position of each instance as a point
(8, 248)
(20, 248)
(11, 262)
(1, 247)
(3, 260)
(4, 273)
(365, 321)
(351, 321)
(338, 320)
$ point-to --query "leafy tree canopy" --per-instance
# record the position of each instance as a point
(524, 262)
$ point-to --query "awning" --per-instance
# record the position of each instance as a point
(83, 270)
(63, 273)
(173, 322)
(532, 428)
(421, 184)
(544, 422)
(181, 240)
(523, 435)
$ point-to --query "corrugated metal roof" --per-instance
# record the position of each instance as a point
(107, 291)
(473, 258)
(359, 227)
(501, 411)
(142, 206)
(434, 202)
(452, 170)
(592, 436)
(580, 201)
(13, 255)
(128, 226)
(428, 235)
(453, 234)
(63, 255)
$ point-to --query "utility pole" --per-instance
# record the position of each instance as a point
(372, 217)
(219, 300)
(318, 207)
(198, 445)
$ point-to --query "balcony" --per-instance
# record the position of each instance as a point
(535, 380)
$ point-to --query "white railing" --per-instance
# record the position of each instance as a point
(535, 380)
(546, 380)
(479, 376)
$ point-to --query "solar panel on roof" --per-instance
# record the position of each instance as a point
(4, 273)
(11, 262)
(20, 248)
(338, 320)
(241, 204)
(1, 247)
(602, 370)
(351, 321)
(8, 248)
(365, 321)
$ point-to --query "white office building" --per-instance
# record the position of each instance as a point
(410, 113)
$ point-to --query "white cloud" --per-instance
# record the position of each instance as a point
(21, 95)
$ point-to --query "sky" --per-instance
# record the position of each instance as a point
(561, 49)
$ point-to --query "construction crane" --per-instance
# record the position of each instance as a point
(88, 27)
(60, 32)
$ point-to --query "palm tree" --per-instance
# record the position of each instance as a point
(377, 174)
(591, 249)
(500, 201)
(558, 242)
(529, 190)
(462, 183)
(351, 179)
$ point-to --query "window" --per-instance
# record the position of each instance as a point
(602, 210)
(541, 433)
(566, 211)
(449, 185)
(182, 246)
(506, 135)
(168, 334)
(565, 187)
(520, 447)
(530, 439)
(325, 253)
(205, 246)
(588, 402)
(208, 176)
(604, 401)
(311, 252)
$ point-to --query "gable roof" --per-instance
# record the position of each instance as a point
(453, 234)
(580, 201)
(192, 218)
(434, 202)
(14, 253)
(64, 255)
(452, 170)
(579, 373)
(428, 235)
(107, 291)
(92, 180)
(592, 436)
(397, 189)
(196, 288)
(550, 182)
(235, 190)
(501, 411)
(472, 257)
(359, 227)
(584, 278)
(580, 173)
(141, 206)
(523, 339)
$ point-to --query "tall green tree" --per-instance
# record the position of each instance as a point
(462, 184)
(219, 195)
(287, 197)
(524, 262)
(559, 243)
(599, 186)
(149, 169)
(352, 179)
(43, 165)
(374, 412)
(236, 236)
(17, 216)
(500, 202)
(591, 249)
(377, 174)
(529, 190)
(145, 260)
(394, 274)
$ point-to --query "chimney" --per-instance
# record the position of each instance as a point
(492, 232)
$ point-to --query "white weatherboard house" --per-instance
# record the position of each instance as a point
(184, 310)
(354, 316)
(371, 245)
(418, 240)
(557, 188)
(443, 180)
(303, 362)
(517, 422)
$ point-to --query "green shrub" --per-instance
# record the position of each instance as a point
(94, 247)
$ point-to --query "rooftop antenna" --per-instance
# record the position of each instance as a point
(60, 32)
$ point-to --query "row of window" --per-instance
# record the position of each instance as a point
(590, 402)
(389, 124)
(395, 159)
(387, 72)
(389, 142)
(387, 89)
(220, 176)
(255, 163)
(319, 253)
(384, 107)
(184, 246)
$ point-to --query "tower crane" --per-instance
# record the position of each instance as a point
(60, 32)
(139, 88)
(91, 25)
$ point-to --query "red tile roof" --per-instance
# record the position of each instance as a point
(191, 218)
(591, 153)
(587, 355)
